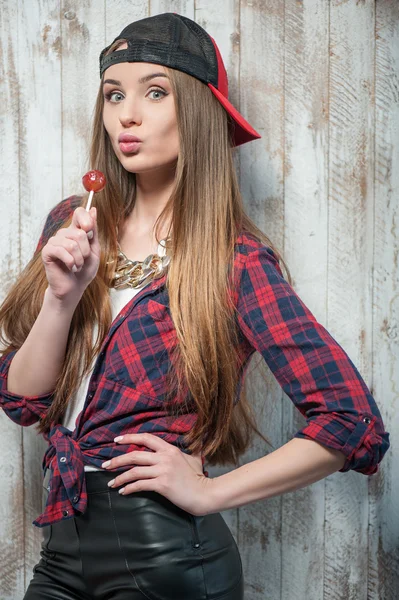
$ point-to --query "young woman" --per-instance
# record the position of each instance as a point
(129, 333)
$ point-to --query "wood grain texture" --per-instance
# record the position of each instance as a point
(350, 262)
(319, 80)
(11, 470)
(305, 244)
(383, 556)
(83, 38)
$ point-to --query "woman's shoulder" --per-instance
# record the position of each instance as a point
(63, 209)
(247, 243)
(256, 266)
(57, 215)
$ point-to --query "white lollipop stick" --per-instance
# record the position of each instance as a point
(89, 201)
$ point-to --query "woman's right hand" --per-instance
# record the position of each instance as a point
(71, 259)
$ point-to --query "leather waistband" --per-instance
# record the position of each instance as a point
(96, 481)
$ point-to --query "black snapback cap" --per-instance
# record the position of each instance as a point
(175, 41)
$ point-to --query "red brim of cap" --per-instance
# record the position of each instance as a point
(243, 132)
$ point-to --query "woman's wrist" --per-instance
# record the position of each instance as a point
(60, 305)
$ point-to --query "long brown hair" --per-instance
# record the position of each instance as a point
(206, 214)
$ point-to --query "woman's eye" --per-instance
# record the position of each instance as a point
(158, 92)
(110, 94)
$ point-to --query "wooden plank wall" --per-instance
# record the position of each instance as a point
(319, 80)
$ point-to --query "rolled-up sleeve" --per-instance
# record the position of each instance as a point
(23, 410)
(309, 364)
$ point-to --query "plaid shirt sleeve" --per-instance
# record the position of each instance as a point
(26, 410)
(23, 410)
(310, 365)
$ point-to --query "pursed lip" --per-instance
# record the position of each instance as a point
(128, 138)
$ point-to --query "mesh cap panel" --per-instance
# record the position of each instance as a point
(170, 40)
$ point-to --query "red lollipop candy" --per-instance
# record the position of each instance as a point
(93, 181)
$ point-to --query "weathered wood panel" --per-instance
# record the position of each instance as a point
(306, 248)
(383, 555)
(83, 37)
(11, 471)
(319, 80)
(350, 261)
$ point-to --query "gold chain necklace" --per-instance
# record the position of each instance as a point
(136, 273)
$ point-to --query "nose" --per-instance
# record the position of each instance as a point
(129, 113)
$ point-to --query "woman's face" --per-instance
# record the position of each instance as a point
(145, 109)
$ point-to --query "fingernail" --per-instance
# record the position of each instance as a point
(90, 234)
(111, 482)
(121, 491)
(106, 463)
(118, 438)
(74, 268)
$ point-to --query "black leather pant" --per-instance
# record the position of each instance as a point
(136, 547)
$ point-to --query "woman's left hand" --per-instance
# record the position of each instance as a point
(167, 470)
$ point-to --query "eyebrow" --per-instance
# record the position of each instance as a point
(141, 80)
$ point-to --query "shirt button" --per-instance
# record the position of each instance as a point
(75, 499)
(65, 513)
(90, 396)
(63, 459)
(367, 420)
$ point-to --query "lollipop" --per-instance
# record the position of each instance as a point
(93, 181)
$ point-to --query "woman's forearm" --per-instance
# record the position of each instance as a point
(35, 367)
(295, 465)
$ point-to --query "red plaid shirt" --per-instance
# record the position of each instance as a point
(127, 387)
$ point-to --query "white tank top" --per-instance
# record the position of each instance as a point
(119, 298)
